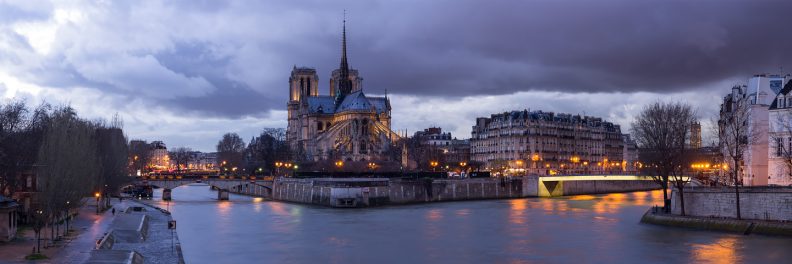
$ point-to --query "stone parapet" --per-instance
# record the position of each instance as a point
(769, 203)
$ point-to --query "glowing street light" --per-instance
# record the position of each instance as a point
(433, 164)
(97, 195)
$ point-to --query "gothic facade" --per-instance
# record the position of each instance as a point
(344, 125)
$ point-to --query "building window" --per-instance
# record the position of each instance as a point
(779, 146)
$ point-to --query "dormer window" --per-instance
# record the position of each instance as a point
(780, 102)
(789, 101)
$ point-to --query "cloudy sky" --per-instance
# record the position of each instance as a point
(188, 71)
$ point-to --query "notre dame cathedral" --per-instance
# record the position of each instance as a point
(345, 125)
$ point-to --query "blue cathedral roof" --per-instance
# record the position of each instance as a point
(321, 104)
(381, 103)
(355, 101)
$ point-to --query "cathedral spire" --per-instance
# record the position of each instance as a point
(344, 84)
(344, 64)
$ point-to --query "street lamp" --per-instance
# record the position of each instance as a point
(97, 195)
(278, 165)
(574, 159)
(519, 166)
(433, 164)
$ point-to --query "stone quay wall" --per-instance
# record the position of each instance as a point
(370, 192)
(758, 203)
(362, 192)
(599, 187)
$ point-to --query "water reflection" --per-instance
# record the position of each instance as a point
(721, 251)
(517, 211)
(434, 215)
(588, 229)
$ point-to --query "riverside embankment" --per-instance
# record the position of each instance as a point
(364, 192)
(764, 210)
(138, 234)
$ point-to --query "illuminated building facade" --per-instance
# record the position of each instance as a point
(536, 142)
(345, 125)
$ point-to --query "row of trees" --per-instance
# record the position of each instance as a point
(257, 157)
(61, 157)
(270, 146)
(662, 130)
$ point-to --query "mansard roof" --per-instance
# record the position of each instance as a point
(321, 104)
(552, 117)
(785, 91)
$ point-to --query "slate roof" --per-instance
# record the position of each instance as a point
(355, 101)
(785, 91)
(381, 103)
(321, 104)
(6, 202)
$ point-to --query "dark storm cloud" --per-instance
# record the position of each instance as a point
(232, 59)
(594, 46)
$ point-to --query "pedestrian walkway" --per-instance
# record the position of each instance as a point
(91, 227)
(75, 247)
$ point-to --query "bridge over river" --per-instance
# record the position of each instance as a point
(261, 186)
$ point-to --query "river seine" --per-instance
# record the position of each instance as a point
(576, 229)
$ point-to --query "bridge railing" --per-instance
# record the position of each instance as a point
(205, 177)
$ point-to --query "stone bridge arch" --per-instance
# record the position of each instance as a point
(249, 187)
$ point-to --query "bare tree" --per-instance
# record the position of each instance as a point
(661, 131)
(181, 157)
(67, 167)
(112, 153)
(139, 155)
(266, 149)
(21, 131)
(735, 135)
(230, 151)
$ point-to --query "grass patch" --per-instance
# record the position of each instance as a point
(36, 256)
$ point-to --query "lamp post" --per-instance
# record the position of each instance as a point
(339, 165)
(462, 168)
(278, 165)
(433, 164)
(574, 159)
(97, 195)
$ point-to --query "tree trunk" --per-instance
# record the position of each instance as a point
(666, 201)
(737, 199)
(737, 193)
(682, 200)
(38, 241)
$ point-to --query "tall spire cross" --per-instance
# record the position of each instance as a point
(345, 85)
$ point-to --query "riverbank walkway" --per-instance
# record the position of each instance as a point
(142, 228)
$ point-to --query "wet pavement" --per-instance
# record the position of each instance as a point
(91, 228)
(87, 226)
